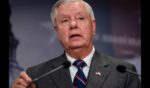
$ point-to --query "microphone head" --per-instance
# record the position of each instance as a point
(66, 64)
(121, 68)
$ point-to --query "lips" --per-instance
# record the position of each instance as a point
(74, 35)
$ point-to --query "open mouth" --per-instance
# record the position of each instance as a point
(74, 36)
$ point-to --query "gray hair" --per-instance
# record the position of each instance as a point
(61, 2)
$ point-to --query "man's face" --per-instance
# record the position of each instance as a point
(74, 26)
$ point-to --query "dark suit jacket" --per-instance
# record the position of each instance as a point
(109, 78)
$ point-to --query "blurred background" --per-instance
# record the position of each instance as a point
(33, 41)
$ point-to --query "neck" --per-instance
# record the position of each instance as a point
(79, 52)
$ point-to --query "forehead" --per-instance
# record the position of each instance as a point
(73, 7)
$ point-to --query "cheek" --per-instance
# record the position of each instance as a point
(88, 31)
(62, 36)
(89, 34)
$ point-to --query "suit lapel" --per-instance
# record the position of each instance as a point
(99, 71)
(62, 77)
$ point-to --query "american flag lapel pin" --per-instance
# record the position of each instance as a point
(97, 73)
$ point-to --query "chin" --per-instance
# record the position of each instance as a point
(76, 46)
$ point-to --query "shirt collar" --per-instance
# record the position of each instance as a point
(87, 59)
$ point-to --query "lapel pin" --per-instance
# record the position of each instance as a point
(97, 73)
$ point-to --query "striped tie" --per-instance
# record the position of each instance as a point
(79, 79)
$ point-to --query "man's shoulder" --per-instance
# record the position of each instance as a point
(114, 61)
(46, 66)
(45, 63)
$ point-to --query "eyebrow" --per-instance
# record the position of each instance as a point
(62, 16)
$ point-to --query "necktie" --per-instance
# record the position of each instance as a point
(79, 79)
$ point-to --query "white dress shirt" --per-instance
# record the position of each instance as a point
(87, 60)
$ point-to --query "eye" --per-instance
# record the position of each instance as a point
(81, 18)
(65, 20)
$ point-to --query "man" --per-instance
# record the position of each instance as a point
(75, 25)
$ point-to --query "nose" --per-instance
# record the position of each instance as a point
(73, 24)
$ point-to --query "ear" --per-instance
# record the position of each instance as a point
(94, 27)
(55, 28)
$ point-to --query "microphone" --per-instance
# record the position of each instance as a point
(65, 65)
(123, 69)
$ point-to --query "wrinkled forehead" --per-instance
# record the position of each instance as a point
(54, 11)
